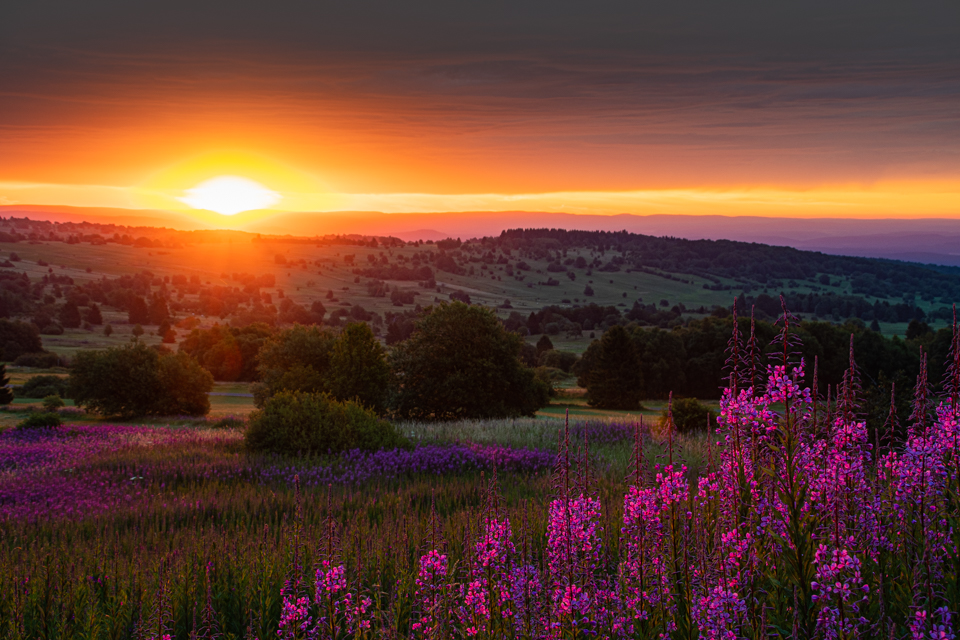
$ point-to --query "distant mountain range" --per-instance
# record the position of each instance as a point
(931, 241)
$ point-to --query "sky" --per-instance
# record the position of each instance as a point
(813, 109)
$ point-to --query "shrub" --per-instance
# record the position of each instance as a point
(43, 387)
(228, 422)
(52, 403)
(690, 415)
(312, 423)
(563, 360)
(42, 360)
(52, 329)
(40, 421)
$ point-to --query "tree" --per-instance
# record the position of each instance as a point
(122, 381)
(184, 386)
(70, 315)
(17, 338)
(93, 315)
(461, 362)
(6, 394)
(295, 359)
(229, 353)
(544, 344)
(358, 368)
(138, 312)
(108, 330)
(135, 380)
(158, 310)
(615, 380)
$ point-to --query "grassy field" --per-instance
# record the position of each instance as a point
(306, 282)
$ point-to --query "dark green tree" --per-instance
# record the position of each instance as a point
(17, 338)
(461, 362)
(358, 368)
(122, 381)
(544, 344)
(93, 315)
(615, 380)
(135, 380)
(184, 386)
(158, 310)
(296, 359)
(6, 394)
(70, 315)
(138, 312)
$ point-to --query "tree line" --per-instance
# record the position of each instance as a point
(459, 362)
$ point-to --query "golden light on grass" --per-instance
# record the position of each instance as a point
(229, 195)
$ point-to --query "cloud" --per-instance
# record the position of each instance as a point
(511, 97)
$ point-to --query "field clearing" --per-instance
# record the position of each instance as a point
(214, 263)
(181, 515)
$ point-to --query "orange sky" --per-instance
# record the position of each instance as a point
(638, 109)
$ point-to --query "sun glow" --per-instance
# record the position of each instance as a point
(229, 195)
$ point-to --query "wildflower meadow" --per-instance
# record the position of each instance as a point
(789, 519)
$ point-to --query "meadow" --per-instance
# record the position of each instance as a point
(791, 521)
(110, 529)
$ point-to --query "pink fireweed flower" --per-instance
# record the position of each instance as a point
(719, 614)
(526, 589)
(839, 591)
(573, 557)
(431, 593)
(294, 618)
(923, 626)
(330, 581)
(487, 598)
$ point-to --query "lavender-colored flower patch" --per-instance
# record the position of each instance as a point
(72, 471)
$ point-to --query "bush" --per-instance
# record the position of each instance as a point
(52, 403)
(40, 421)
(313, 423)
(41, 360)
(690, 415)
(44, 386)
(563, 360)
(228, 422)
(52, 329)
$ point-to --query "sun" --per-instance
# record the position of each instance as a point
(229, 195)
